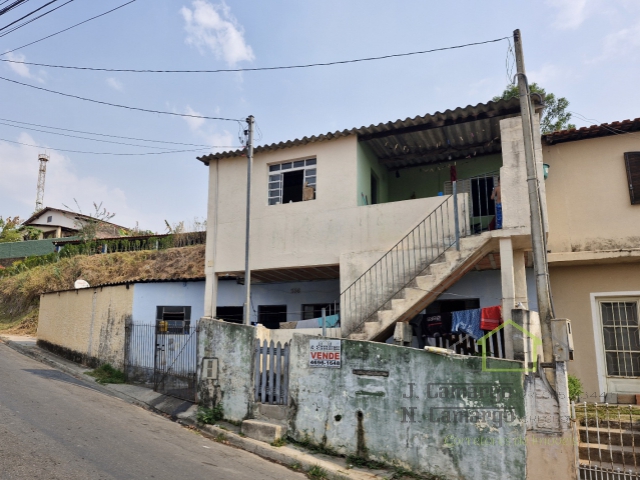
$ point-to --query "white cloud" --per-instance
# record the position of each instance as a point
(571, 13)
(213, 26)
(208, 133)
(22, 69)
(545, 74)
(115, 84)
(622, 43)
(19, 167)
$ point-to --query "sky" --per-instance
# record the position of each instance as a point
(584, 50)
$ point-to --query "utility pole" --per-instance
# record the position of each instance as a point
(247, 270)
(537, 231)
(43, 159)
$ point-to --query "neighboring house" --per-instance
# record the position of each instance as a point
(593, 193)
(57, 223)
(359, 214)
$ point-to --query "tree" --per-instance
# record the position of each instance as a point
(555, 115)
(12, 231)
(90, 225)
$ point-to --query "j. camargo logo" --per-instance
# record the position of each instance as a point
(533, 340)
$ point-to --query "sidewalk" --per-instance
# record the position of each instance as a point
(185, 413)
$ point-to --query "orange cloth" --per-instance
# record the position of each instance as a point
(491, 317)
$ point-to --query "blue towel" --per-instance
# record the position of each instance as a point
(467, 321)
(330, 319)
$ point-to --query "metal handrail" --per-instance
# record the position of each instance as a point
(401, 264)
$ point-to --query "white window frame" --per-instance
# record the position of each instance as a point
(275, 185)
(596, 317)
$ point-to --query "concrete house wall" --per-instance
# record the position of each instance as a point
(148, 296)
(594, 240)
(86, 325)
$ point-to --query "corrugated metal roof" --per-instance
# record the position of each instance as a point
(132, 282)
(594, 131)
(440, 134)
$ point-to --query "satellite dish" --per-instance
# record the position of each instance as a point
(81, 284)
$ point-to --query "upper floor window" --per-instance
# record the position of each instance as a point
(49, 218)
(292, 181)
(632, 164)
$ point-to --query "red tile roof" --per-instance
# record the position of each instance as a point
(594, 131)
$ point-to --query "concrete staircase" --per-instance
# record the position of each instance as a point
(442, 273)
(610, 446)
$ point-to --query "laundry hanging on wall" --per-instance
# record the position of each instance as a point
(491, 317)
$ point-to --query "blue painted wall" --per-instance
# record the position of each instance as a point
(148, 296)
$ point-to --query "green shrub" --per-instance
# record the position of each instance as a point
(575, 388)
(210, 415)
(107, 374)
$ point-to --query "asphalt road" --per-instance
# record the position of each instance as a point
(53, 426)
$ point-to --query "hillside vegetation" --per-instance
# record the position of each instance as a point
(20, 294)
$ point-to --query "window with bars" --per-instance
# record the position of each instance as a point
(621, 338)
(293, 181)
(176, 320)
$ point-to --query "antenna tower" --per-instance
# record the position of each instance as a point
(43, 159)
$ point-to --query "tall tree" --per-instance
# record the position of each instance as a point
(555, 116)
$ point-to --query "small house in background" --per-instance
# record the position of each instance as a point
(57, 223)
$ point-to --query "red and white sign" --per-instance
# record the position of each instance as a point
(325, 353)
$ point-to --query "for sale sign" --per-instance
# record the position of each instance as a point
(325, 353)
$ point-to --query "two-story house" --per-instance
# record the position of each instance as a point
(364, 221)
(593, 193)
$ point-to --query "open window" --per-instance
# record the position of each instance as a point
(230, 314)
(314, 310)
(291, 182)
(271, 316)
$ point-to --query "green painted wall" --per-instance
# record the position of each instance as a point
(30, 248)
(424, 183)
(368, 162)
(427, 412)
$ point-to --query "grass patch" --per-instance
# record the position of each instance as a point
(317, 472)
(106, 374)
(209, 416)
(308, 444)
(363, 462)
(279, 442)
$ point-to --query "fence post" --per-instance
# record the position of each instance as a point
(324, 322)
(455, 213)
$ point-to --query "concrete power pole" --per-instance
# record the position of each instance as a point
(43, 159)
(537, 231)
(247, 269)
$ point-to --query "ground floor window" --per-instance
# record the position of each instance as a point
(271, 316)
(171, 319)
(230, 314)
(621, 337)
(314, 310)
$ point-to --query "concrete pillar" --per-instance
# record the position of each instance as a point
(59, 232)
(520, 277)
(211, 283)
(508, 291)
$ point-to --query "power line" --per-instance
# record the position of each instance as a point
(110, 136)
(341, 62)
(11, 6)
(120, 106)
(84, 138)
(33, 19)
(68, 28)
(109, 153)
(28, 14)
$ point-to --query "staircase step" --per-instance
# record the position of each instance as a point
(615, 436)
(608, 453)
(263, 431)
(425, 282)
(439, 269)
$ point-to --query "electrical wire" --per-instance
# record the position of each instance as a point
(34, 19)
(29, 14)
(110, 136)
(289, 67)
(87, 138)
(109, 153)
(12, 6)
(68, 28)
(118, 105)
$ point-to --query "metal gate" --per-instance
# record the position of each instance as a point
(163, 358)
(272, 373)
